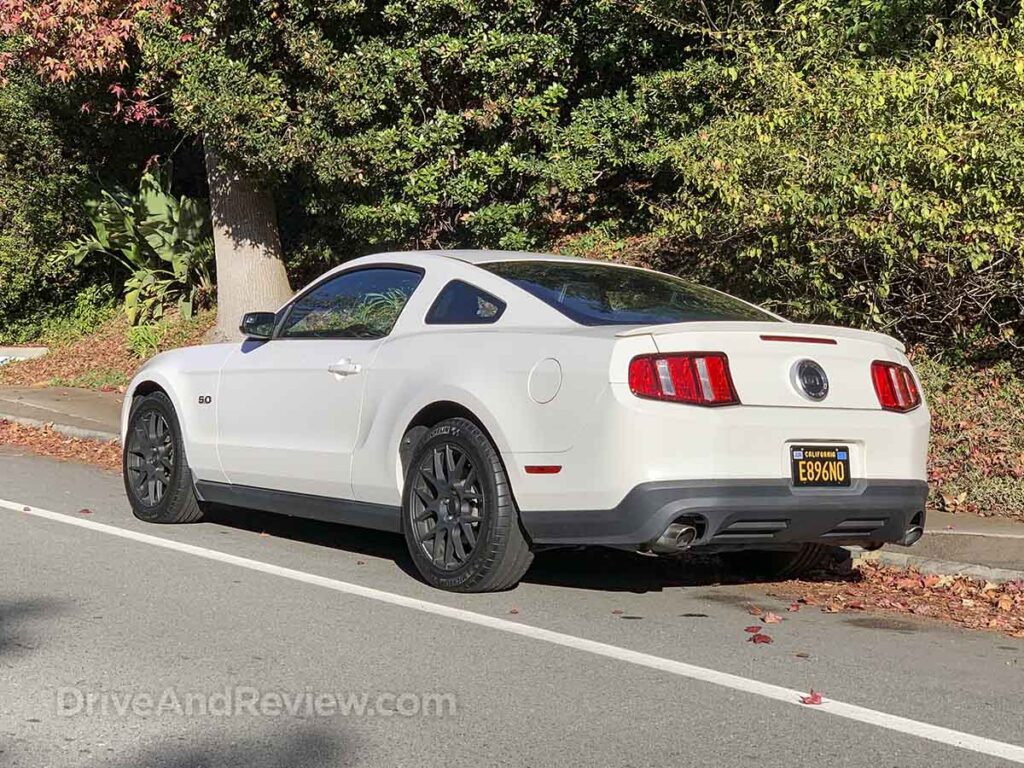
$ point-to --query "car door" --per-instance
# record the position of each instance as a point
(288, 408)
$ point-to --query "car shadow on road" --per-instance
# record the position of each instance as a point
(17, 617)
(307, 746)
(594, 568)
(362, 541)
(611, 570)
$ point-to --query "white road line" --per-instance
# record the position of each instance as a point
(968, 741)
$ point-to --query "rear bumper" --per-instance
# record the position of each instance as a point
(732, 514)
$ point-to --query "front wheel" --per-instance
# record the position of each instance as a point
(156, 475)
(460, 522)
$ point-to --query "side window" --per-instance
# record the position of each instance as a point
(465, 304)
(363, 304)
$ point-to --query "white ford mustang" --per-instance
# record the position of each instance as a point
(489, 404)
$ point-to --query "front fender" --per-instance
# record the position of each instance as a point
(190, 378)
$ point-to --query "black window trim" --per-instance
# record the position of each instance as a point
(501, 304)
(287, 310)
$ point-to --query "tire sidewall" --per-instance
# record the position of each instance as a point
(182, 478)
(483, 456)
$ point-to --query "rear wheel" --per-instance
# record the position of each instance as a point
(781, 564)
(460, 522)
(156, 475)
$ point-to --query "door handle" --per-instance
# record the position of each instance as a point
(344, 367)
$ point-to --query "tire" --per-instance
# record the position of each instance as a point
(458, 516)
(156, 476)
(781, 564)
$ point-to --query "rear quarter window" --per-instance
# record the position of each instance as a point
(460, 303)
(599, 294)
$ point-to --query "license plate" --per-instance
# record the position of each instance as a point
(820, 466)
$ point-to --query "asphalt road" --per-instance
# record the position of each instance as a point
(222, 626)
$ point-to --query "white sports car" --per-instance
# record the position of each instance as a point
(489, 404)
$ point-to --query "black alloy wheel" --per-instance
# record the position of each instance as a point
(150, 458)
(460, 521)
(157, 478)
(447, 505)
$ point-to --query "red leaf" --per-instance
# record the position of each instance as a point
(617, 612)
(85, 511)
(759, 638)
(813, 698)
(514, 611)
(752, 629)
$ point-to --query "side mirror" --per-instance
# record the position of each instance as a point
(258, 325)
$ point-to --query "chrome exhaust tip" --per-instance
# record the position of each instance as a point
(677, 538)
(912, 535)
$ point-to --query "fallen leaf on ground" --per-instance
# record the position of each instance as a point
(793, 607)
(46, 441)
(872, 586)
(813, 698)
(802, 655)
(617, 612)
(755, 610)
(514, 611)
(759, 638)
(753, 629)
(84, 511)
(771, 618)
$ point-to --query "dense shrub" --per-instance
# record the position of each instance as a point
(160, 241)
(862, 167)
(857, 161)
(42, 184)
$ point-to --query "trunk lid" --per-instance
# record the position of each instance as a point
(765, 359)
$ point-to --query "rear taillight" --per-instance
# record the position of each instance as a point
(895, 386)
(700, 378)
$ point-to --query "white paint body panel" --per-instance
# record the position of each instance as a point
(280, 420)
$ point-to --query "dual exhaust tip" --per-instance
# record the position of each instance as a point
(677, 538)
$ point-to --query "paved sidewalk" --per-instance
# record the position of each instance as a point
(73, 412)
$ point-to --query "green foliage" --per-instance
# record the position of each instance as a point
(42, 180)
(863, 167)
(162, 241)
(857, 161)
(95, 378)
(144, 340)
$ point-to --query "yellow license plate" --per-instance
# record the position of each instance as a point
(820, 466)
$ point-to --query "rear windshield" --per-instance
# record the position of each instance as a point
(598, 294)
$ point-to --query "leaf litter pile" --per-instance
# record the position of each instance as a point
(970, 603)
(49, 442)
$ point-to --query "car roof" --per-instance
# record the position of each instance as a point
(472, 256)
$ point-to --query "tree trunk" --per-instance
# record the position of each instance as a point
(250, 270)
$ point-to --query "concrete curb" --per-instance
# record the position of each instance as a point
(64, 429)
(939, 567)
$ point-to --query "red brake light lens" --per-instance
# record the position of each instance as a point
(895, 386)
(699, 378)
